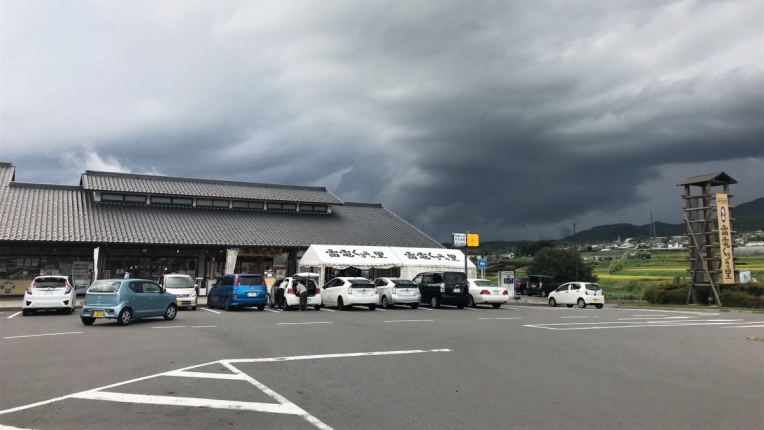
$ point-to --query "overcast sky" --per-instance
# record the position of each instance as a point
(508, 118)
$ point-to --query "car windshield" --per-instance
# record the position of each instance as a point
(404, 283)
(178, 282)
(250, 280)
(50, 283)
(105, 287)
(485, 283)
(454, 277)
(593, 287)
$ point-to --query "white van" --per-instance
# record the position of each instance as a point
(182, 287)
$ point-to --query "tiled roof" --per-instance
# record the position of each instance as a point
(32, 212)
(150, 184)
(715, 178)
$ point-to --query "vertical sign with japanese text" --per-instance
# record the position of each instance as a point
(727, 266)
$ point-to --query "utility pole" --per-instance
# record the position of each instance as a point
(575, 244)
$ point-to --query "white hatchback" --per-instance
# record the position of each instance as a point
(291, 298)
(397, 291)
(49, 292)
(577, 293)
(483, 291)
(347, 292)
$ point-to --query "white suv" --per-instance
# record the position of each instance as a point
(397, 291)
(577, 293)
(347, 292)
(49, 292)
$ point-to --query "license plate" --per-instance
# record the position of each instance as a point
(364, 293)
(97, 314)
(251, 294)
(595, 301)
(457, 290)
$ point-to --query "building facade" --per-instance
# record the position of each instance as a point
(145, 225)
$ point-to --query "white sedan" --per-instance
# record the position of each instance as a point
(483, 291)
(347, 292)
(49, 292)
(577, 293)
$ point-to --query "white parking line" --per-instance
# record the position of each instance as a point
(314, 322)
(380, 309)
(210, 310)
(665, 311)
(424, 309)
(410, 321)
(582, 316)
(746, 326)
(470, 309)
(649, 315)
(14, 315)
(327, 310)
(271, 310)
(46, 334)
(173, 326)
(203, 326)
(646, 319)
(509, 318)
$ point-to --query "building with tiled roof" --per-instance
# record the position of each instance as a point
(148, 225)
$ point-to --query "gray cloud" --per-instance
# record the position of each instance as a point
(509, 118)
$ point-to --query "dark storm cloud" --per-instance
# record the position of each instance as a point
(510, 118)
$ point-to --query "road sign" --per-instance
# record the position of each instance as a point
(473, 239)
(482, 263)
(460, 239)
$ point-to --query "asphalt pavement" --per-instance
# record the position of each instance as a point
(518, 367)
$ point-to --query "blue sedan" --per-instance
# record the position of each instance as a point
(126, 300)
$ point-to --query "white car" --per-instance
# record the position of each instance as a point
(577, 293)
(49, 292)
(483, 291)
(182, 287)
(291, 299)
(347, 292)
(397, 291)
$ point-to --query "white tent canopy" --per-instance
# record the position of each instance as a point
(411, 260)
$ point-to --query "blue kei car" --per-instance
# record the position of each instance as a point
(238, 291)
(126, 300)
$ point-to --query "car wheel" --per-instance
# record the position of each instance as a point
(317, 307)
(270, 302)
(193, 308)
(552, 302)
(385, 303)
(71, 310)
(260, 307)
(227, 305)
(414, 305)
(434, 302)
(171, 312)
(125, 316)
(25, 312)
(471, 301)
(372, 307)
(459, 306)
(88, 321)
(543, 294)
(581, 303)
(570, 306)
(497, 305)
(598, 306)
(341, 304)
(209, 303)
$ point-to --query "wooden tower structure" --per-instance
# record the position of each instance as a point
(702, 214)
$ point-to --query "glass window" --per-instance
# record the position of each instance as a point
(136, 287)
(437, 278)
(204, 202)
(575, 287)
(563, 288)
(256, 205)
(105, 287)
(182, 201)
(319, 208)
(50, 282)
(403, 282)
(220, 203)
(418, 279)
(112, 197)
(250, 280)
(160, 200)
(150, 287)
(455, 278)
(178, 282)
(240, 204)
(306, 208)
(427, 279)
(484, 283)
(289, 206)
(132, 198)
(272, 206)
(593, 287)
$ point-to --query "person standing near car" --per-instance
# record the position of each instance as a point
(302, 291)
(279, 296)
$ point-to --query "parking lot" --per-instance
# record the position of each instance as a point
(513, 367)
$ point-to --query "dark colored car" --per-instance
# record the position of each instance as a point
(521, 283)
(239, 291)
(443, 288)
(540, 285)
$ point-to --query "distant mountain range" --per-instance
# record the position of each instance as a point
(748, 216)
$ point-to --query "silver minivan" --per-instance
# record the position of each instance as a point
(182, 287)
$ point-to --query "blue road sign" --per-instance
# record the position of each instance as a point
(482, 263)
